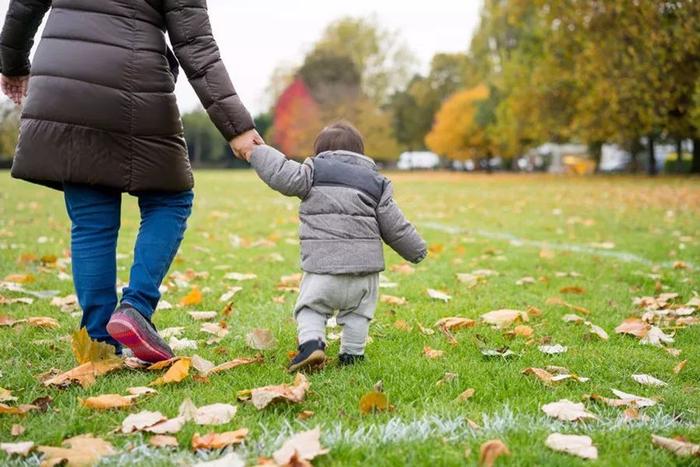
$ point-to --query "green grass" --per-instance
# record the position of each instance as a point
(464, 218)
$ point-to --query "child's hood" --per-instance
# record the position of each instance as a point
(348, 157)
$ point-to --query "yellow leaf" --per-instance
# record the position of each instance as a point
(490, 451)
(218, 440)
(374, 401)
(108, 401)
(175, 373)
(192, 298)
(88, 350)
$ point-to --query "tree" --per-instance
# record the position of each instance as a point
(330, 77)
(458, 133)
(297, 120)
(204, 142)
(382, 59)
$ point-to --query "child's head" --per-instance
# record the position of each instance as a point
(340, 136)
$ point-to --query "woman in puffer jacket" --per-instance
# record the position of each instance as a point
(100, 119)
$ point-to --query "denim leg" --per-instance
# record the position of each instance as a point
(95, 216)
(163, 223)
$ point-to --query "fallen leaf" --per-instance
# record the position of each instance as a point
(214, 414)
(543, 375)
(680, 448)
(581, 446)
(163, 441)
(194, 297)
(170, 426)
(597, 331)
(20, 278)
(648, 380)
(229, 294)
(218, 440)
(403, 268)
(182, 344)
(570, 318)
(235, 363)
(553, 349)
(432, 353)
(108, 401)
(490, 451)
(573, 289)
(87, 350)
(634, 327)
(567, 410)
(202, 365)
(523, 331)
(300, 449)
(439, 295)
(630, 399)
(141, 391)
(305, 414)
(232, 459)
(678, 368)
(656, 337)
(140, 421)
(504, 318)
(6, 395)
(455, 323)
(176, 373)
(503, 352)
(402, 325)
(85, 374)
(80, 450)
(295, 393)
(374, 401)
(17, 449)
(237, 276)
(203, 315)
(392, 300)
(17, 430)
(260, 339)
(466, 395)
(220, 330)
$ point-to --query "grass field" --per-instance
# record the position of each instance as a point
(624, 236)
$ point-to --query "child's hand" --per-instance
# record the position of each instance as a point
(244, 144)
(15, 87)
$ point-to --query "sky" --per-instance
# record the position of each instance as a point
(256, 36)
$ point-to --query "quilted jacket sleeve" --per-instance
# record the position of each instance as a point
(281, 174)
(396, 231)
(21, 23)
(187, 22)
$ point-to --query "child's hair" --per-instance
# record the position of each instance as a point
(340, 136)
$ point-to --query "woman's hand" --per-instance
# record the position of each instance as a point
(15, 87)
(244, 144)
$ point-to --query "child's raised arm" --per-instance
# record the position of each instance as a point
(281, 174)
(396, 231)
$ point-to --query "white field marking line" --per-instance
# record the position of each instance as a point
(573, 247)
(397, 430)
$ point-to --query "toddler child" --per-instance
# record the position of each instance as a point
(346, 211)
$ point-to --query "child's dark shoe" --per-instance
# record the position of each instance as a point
(311, 353)
(128, 327)
(348, 359)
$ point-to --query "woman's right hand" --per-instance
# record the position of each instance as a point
(244, 144)
(15, 87)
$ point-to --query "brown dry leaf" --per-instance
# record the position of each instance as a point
(656, 337)
(140, 421)
(596, 331)
(678, 368)
(20, 278)
(374, 401)
(300, 449)
(306, 414)
(679, 447)
(108, 401)
(171, 426)
(141, 391)
(403, 268)
(20, 410)
(17, 430)
(504, 318)
(543, 375)
(87, 350)
(43, 322)
(292, 280)
(466, 395)
(218, 440)
(581, 446)
(432, 353)
(455, 323)
(21, 449)
(85, 374)
(214, 414)
(634, 327)
(202, 365)
(294, 393)
(567, 411)
(523, 331)
(164, 364)
(235, 363)
(176, 373)
(163, 441)
(6, 395)
(490, 451)
(260, 339)
(402, 325)
(648, 380)
(83, 450)
(573, 289)
(392, 300)
(218, 330)
(194, 297)
(203, 315)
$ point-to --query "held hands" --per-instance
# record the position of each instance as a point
(244, 144)
(15, 87)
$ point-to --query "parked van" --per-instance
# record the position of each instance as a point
(418, 160)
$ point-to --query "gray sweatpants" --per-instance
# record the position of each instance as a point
(352, 296)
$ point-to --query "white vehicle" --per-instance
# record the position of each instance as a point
(418, 160)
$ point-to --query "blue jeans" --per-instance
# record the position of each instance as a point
(95, 214)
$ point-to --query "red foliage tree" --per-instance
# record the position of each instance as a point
(296, 120)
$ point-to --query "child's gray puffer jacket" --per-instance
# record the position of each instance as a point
(346, 211)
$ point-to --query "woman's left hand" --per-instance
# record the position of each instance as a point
(15, 87)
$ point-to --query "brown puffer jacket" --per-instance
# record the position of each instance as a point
(101, 108)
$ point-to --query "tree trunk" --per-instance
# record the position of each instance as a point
(597, 150)
(651, 169)
(679, 153)
(695, 167)
(488, 163)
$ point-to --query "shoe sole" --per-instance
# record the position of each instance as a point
(317, 357)
(127, 332)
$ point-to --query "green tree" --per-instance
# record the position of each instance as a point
(204, 142)
(9, 129)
